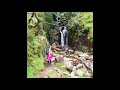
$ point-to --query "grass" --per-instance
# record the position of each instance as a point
(52, 74)
(30, 73)
(66, 76)
(59, 64)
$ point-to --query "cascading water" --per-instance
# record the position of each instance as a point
(63, 33)
(62, 39)
(65, 36)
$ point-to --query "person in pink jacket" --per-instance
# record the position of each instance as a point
(49, 56)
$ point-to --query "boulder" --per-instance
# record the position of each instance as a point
(70, 51)
(74, 68)
(91, 57)
(69, 65)
(79, 66)
(88, 74)
(78, 53)
(53, 59)
(90, 65)
(65, 47)
(84, 55)
(59, 57)
(67, 59)
(62, 53)
(82, 58)
(72, 74)
(79, 72)
(75, 62)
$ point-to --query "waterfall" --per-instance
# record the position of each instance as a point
(65, 36)
(62, 39)
(63, 33)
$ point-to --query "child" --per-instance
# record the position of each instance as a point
(49, 56)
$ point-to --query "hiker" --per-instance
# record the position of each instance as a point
(47, 50)
(49, 55)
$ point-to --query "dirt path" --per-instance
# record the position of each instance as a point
(49, 69)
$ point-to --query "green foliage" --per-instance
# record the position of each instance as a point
(40, 16)
(30, 73)
(87, 23)
(66, 76)
(78, 24)
(82, 21)
(48, 22)
(32, 20)
(84, 48)
(52, 74)
(35, 43)
(59, 64)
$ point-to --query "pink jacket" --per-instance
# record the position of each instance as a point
(49, 56)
